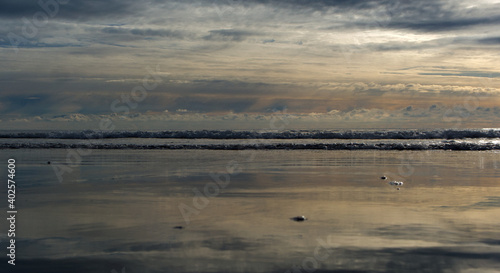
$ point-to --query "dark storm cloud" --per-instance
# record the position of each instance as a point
(447, 24)
(435, 43)
(423, 16)
(489, 41)
(412, 9)
(34, 44)
(156, 32)
(434, 16)
(228, 35)
(344, 4)
(479, 74)
(238, 55)
(401, 46)
(204, 104)
(115, 30)
(74, 10)
(143, 32)
(88, 97)
(24, 103)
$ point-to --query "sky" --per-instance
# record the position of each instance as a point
(240, 64)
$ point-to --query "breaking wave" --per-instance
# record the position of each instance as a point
(289, 134)
(444, 145)
(465, 139)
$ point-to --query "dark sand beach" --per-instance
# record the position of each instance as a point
(149, 211)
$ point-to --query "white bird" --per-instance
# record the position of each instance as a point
(393, 183)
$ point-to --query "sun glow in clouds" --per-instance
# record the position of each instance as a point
(253, 56)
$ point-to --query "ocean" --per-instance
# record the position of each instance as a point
(226, 201)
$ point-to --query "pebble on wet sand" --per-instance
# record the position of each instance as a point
(299, 218)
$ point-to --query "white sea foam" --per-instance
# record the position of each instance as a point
(466, 139)
(468, 146)
(290, 134)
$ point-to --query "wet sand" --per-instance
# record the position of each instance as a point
(123, 209)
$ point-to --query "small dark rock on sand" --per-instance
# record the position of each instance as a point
(298, 218)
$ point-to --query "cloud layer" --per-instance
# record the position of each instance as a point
(247, 56)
